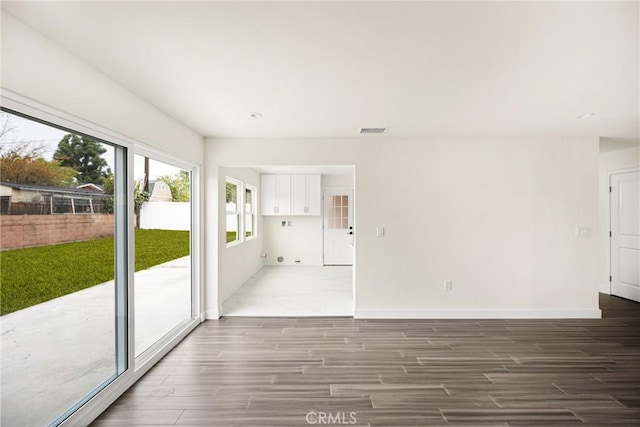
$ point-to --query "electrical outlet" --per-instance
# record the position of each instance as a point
(380, 232)
(448, 285)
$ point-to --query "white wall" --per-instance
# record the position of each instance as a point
(237, 263)
(35, 67)
(496, 216)
(166, 216)
(337, 181)
(302, 240)
(610, 161)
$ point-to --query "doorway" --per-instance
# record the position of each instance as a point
(624, 203)
(281, 271)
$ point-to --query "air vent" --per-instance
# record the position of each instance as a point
(364, 131)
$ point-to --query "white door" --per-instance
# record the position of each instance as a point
(625, 235)
(338, 227)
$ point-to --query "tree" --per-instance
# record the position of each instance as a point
(6, 127)
(178, 184)
(24, 164)
(83, 154)
(139, 197)
(107, 198)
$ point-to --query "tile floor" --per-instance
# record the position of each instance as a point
(240, 371)
(294, 291)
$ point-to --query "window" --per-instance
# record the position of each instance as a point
(242, 218)
(338, 214)
(234, 209)
(250, 217)
(96, 314)
(163, 283)
(76, 280)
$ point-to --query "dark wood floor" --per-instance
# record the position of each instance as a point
(275, 372)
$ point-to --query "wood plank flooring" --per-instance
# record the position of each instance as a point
(276, 371)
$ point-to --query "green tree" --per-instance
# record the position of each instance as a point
(107, 198)
(178, 184)
(139, 197)
(24, 164)
(83, 154)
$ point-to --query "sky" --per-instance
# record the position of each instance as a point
(38, 134)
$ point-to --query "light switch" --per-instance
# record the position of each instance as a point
(380, 232)
(583, 231)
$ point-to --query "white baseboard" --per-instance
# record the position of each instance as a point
(605, 288)
(212, 314)
(478, 314)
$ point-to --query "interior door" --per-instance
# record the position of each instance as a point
(625, 235)
(338, 227)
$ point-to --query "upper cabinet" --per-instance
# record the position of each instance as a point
(290, 195)
(305, 195)
(275, 196)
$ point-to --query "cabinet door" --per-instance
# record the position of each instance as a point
(314, 195)
(268, 199)
(283, 194)
(305, 195)
(298, 194)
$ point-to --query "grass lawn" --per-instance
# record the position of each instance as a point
(231, 235)
(34, 275)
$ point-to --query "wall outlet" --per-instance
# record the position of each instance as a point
(380, 232)
(583, 231)
(448, 285)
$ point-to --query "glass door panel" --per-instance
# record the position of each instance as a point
(62, 217)
(162, 250)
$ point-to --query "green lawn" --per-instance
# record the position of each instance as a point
(231, 235)
(34, 275)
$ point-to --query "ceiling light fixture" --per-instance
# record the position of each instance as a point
(255, 115)
(586, 115)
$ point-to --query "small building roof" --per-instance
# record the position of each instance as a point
(49, 189)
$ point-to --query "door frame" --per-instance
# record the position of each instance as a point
(609, 177)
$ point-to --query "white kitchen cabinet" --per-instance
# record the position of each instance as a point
(291, 195)
(305, 195)
(275, 196)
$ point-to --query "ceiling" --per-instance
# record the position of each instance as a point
(305, 170)
(325, 69)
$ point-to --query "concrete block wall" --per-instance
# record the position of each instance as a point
(23, 231)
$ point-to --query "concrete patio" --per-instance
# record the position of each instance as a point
(65, 347)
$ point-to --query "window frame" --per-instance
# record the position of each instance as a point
(238, 212)
(99, 401)
(253, 212)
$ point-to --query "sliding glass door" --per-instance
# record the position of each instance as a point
(163, 278)
(64, 268)
(98, 251)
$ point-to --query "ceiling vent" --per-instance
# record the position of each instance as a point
(367, 131)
